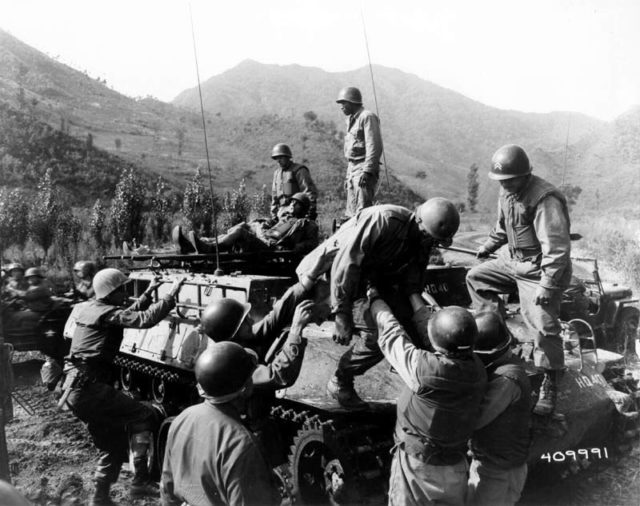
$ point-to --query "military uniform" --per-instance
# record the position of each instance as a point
(108, 413)
(535, 225)
(382, 244)
(287, 182)
(362, 149)
(229, 468)
(436, 412)
(500, 444)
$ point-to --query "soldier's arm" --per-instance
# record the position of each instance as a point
(167, 491)
(395, 344)
(284, 370)
(498, 236)
(552, 230)
(280, 315)
(373, 143)
(127, 318)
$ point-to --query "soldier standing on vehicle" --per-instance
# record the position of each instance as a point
(362, 149)
(500, 443)
(389, 246)
(288, 179)
(533, 220)
(437, 408)
(111, 415)
(211, 457)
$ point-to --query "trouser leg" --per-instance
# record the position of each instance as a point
(490, 486)
(548, 352)
(487, 281)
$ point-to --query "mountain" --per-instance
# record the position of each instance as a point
(432, 135)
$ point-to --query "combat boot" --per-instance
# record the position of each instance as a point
(342, 390)
(101, 494)
(181, 243)
(141, 484)
(548, 392)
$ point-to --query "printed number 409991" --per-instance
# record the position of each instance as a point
(562, 456)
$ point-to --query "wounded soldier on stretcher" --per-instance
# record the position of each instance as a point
(291, 232)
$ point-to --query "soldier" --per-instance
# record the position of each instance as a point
(16, 279)
(500, 443)
(37, 297)
(83, 288)
(288, 179)
(88, 387)
(437, 408)
(362, 149)
(294, 231)
(390, 246)
(211, 457)
(533, 220)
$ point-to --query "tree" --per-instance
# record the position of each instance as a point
(126, 208)
(118, 142)
(472, 187)
(236, 206)
(44, 213)
(310, 116)
(160, 209)
(14, 214)
(571, 192)
(67, 238)
(196, 204)
(180, 136)
(96, 225)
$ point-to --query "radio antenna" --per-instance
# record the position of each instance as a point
(218, 271)
(375, 96)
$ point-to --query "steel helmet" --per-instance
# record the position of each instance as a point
(108, 280)
(222, 318)
(34, 271)
(303, 198)
(508, 162)
(223, 370)
(14, 266)
(350, 94)
(85, 267)
(453, 329)
(438, 217)
(281, 150)
(493, 335)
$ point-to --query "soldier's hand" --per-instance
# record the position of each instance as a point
(175, 288)
(364, 180)
(343, 328)
(372, 293)
(543, 296)
(482, 252)
(302, 316)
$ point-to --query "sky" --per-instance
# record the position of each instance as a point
(528, 55)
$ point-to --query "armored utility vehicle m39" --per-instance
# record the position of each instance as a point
(334, 456)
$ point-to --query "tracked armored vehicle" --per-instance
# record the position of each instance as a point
(334, 456)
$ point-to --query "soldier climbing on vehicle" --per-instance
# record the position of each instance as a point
(389, 246)
(533, 220)
(292, 232)
(438, 406)
(288, 179)
(115, 420)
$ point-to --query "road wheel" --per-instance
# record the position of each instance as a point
(626, 331)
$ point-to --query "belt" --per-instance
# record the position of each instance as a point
(432, 454)
(525, 254)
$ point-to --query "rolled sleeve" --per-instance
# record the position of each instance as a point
(552, 230)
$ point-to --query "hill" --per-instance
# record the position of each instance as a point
(432, 135)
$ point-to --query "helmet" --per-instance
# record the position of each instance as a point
(508, 162)
(453, 329)
(108, 280)
(223, 369)
(85, 268)
(281, 150)
(14, 266)
(439, 218)
(303, 198)
(493, 335)
(222, 318)
(350, 94)
(34, 271)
